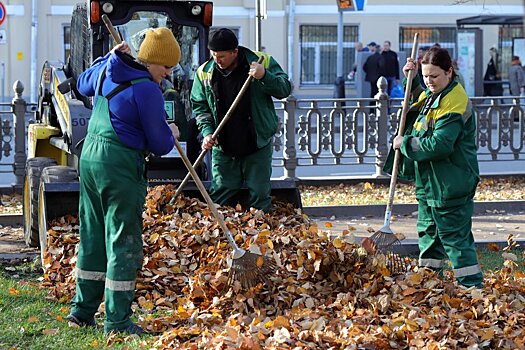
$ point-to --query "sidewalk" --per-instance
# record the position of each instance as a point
(490, 227)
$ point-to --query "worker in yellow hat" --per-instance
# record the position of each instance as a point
(127, 122)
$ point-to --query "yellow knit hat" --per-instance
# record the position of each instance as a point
(160, 47)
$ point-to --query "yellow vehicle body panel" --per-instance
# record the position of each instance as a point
(39, 146)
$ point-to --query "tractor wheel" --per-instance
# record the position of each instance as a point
(50, 209)
(34, 167)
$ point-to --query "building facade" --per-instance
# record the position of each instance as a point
(301, 34)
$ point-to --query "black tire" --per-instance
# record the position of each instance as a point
(67, 203)
(34, 167)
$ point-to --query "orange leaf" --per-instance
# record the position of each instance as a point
(260, 261)
(493, 246)
(328, 224)
(369, 245)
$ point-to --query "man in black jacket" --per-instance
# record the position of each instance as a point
(373, 68)
(391, 66)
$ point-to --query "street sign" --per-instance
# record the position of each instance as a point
(3, 13)
(351, 5)
(359, 5)
(345, 5)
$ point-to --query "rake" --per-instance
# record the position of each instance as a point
(248, 268)
(384, 240)
(215, 134)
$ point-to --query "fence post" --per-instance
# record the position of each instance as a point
(383, 145)
(19, 106)
(289, 152)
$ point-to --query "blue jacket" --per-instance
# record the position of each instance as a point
(137, 113)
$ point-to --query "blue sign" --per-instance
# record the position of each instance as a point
(359, 5)
(3, 13)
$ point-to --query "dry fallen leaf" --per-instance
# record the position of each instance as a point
(328, 292)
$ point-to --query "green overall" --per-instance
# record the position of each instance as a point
(439, 154)
(228, 174)
(112, 192)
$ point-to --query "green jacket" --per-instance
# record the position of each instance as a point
(274, 83)
(439, 149)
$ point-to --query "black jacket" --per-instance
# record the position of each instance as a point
(391, 64)
(373, 67)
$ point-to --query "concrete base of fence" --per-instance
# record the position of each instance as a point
(349, 211)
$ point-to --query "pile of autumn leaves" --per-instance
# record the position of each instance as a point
(327, 293)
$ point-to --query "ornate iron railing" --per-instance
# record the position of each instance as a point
(319, 133)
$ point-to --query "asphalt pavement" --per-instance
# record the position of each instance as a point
(491, 226)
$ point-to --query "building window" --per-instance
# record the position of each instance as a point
(319, 53)
(67, 41)
(446, 37)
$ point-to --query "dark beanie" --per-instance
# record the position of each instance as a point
(222, 39)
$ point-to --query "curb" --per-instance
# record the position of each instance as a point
(410, 246)
(11, 219)
(348, 211)
(18, 256)
(378, 210)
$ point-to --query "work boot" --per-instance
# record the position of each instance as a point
(131, 329)
(75, 321)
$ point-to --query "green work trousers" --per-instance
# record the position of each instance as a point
(112, 193)
(229, 174)
(448, 232)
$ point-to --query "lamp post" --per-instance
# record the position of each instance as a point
(260, 14)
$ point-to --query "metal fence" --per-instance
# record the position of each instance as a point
(320, 133)
(13, 131)
(359, 131)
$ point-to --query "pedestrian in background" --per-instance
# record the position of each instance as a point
(373, 67)
(128, 120)
(242, 153)
(439, 153)
(492, 85)
(391, 66)
(516, 77)
(358, 48)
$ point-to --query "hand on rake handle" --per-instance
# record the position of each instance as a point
(411, 65)
(123, 47)
(398, 141)
(208, 142)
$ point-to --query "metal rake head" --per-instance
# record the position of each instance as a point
(250, 269)
(390, 246)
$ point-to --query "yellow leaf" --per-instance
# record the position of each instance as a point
(281, 321)
(260, 261)
(415, 278)
(488, 334)
(33, 319)
(338, 243)
(270, 244)
(367, 186)
(94, 344)
(14, 292)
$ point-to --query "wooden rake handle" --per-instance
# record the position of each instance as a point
(238, 252)
(218, 130)
(401, 129)
(112, 31)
